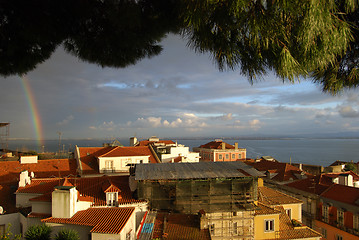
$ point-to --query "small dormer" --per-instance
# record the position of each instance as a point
(112, 193)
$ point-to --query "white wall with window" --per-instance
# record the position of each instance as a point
(120, 164)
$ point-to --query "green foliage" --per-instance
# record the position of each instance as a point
(350, 167)
(30, 153)
(38, 232)
(299, 38)
(67, 234)
(8, 235)
(293, 38)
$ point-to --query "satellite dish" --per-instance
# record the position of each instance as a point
(1, 210)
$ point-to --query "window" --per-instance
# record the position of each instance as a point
(356, 222)
(219, 156)
(211, 229)
(269, 225)
(340, 217)
(338, 237)
(324, 232)
(234, 214)
(325, 213)
(112, 198)
(227, 156)
(109, 165)
(235, 228)
(239, 156)
(289, 212)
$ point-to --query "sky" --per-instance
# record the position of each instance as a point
(178, 93)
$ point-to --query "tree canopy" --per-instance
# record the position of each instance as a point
(299, 38)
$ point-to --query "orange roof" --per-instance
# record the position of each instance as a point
(217, 145)
(341, 193)
(88, 188)
(272, 197)
(146, 142)
(89, 155)
(316, 185)
(265, 210)
(103, 220)
(186, 226)
(10, 170)
(285, 171)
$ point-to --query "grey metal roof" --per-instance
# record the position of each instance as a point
(167, 171)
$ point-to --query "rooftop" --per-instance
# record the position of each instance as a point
(169, 171)
(173, 226)
(272, 197)
(91, 188)
(217, 145)
(103, 220)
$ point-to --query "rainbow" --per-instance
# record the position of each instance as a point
(34, 111)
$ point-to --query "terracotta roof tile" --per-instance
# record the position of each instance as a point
(285, 171)
(316, 185)
(10, 170)
(146, 142)
(341, 193)
(265, 210)
(186, 226)
(217, 145)
(103, 220)
(88, 188)
(89, 155)
(272, 197)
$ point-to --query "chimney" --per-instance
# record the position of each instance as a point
(64, 199)
(236, 146)
(223, 146)
(24, 179)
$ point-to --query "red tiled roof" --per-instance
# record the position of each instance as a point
(88, 188)
(284, 171)
(335, 175)
(265, 210)
(89, 155)
(146, 142)
(342, 193)
(10, 170)
(272, 197)
(186, 226)
(217, 145)
(317, 184)
(103, 220)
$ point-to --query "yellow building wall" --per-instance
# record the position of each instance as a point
(259, 226)
(296, 210)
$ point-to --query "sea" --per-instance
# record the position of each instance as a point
(321, 152)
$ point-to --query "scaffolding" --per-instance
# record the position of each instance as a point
(4, 136)
(227, 204)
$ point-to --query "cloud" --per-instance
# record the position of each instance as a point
(224, 117)
(348, 112)
(66, 120)
(255, 124)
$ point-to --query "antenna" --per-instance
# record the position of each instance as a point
(59, 133)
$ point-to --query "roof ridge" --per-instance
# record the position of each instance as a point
(111, 150)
